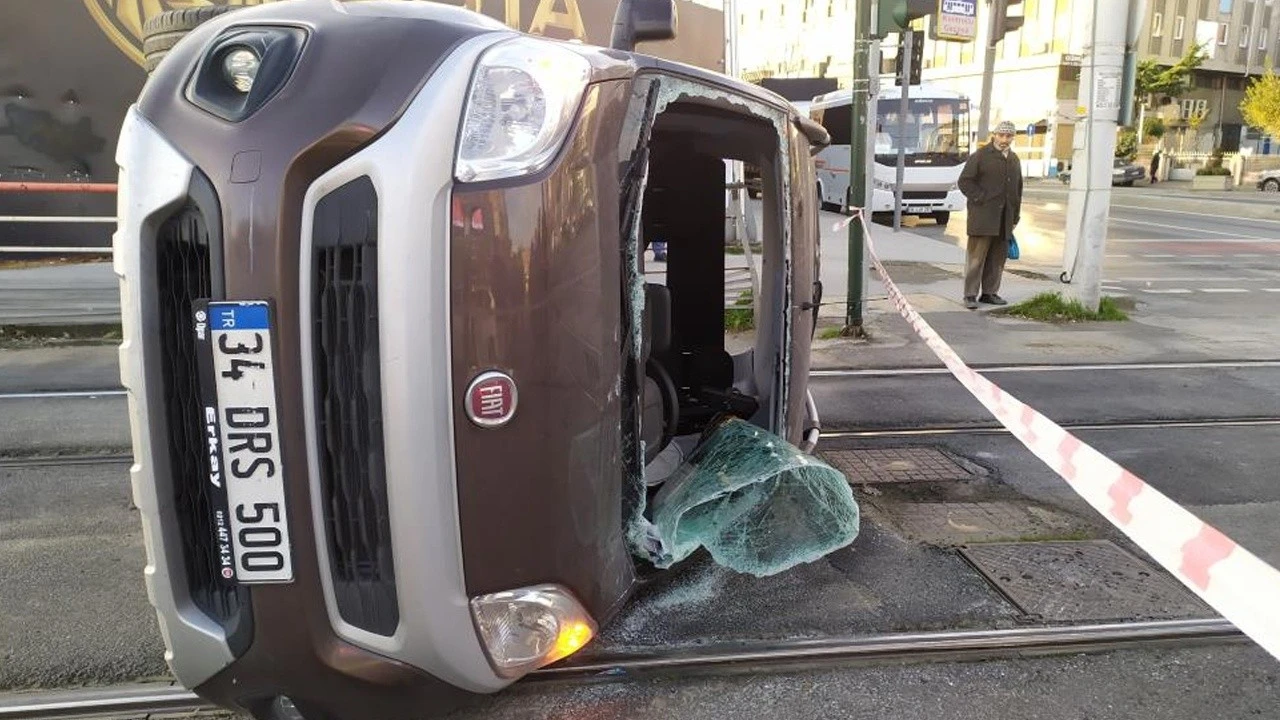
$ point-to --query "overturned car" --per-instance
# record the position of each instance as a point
(412, 405)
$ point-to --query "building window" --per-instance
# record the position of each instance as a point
(1244, 36)
(1224, 6)
(1179, 24)
(1262, 38)
(1223, 31)
(1157, 24)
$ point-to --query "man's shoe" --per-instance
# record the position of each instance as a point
(971, 302)
(993, 300)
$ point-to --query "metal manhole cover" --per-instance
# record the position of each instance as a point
(897, 465)
(1085, 580)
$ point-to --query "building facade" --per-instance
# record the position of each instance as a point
(1037, 69)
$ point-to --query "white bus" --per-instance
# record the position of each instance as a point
(936, 141)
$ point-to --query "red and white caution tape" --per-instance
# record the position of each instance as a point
(1243, 588)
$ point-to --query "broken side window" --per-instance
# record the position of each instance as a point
(711, 359)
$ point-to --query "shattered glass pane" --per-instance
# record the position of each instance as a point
(758, 504)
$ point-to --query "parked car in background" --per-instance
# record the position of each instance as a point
(1269, 181)
(1123, 172)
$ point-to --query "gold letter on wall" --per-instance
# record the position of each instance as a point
(546, 16)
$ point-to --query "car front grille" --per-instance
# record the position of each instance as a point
(924, 194)
(349, 406)
(183, 275)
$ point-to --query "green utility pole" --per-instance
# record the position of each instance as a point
(860, 87)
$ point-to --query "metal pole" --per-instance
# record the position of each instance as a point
(859, 88)
(1222, 106)
(736, 209)
(995, 14)
(903, 104)
(1088, 206)
(1253, 30)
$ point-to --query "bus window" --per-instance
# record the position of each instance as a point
(933, 131)
(838, 120)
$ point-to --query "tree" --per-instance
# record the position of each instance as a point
(1153, 127)
(1261, 104)
(1127, 144)
(1154, 78)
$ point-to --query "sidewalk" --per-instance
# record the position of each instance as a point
(73, 294)
(930, 273)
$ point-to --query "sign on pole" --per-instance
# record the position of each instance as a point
(957, 20)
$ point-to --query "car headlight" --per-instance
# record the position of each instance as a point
(524, 95)
(525, 629)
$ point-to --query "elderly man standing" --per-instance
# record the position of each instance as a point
(992, 182)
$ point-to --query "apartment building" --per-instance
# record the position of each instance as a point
(1036, 84)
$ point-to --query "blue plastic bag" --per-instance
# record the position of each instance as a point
(1013, 248)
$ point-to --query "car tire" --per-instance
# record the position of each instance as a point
(161, 32)
(281, 708)
(1272, 185)
(942, 218)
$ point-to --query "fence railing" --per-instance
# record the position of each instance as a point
(56, 187)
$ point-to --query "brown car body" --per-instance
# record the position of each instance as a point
(537, 289)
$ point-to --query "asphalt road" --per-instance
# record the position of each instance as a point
(73, 545)
(1192, 261)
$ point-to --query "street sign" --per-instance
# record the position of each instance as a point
(957, 20)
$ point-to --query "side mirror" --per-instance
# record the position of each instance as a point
(639, 21)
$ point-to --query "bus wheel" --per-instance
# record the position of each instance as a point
(942, 218)
(161, 32)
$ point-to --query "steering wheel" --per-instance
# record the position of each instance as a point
(670, 407)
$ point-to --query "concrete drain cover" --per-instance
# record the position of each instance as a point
(957, 523)
(897, 465)
(1088, 580)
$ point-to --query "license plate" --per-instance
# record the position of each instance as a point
(919, 209)
(242, 438)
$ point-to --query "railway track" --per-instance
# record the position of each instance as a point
(143, 700)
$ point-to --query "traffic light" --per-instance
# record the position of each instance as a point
(917, 57)
(1001, 21)
(891, 17)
